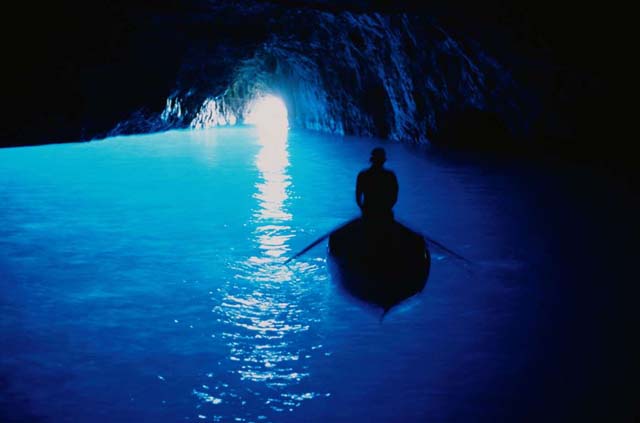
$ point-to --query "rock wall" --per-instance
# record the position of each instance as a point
(390, 76)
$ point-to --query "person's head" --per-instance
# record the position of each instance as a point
(378, 156)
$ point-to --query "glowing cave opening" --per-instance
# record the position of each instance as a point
(269, 114)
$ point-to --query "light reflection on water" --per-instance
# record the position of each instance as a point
(143, 279)
(263, 323)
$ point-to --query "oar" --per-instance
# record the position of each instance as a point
(325, 236)
(445, 249)
(319, 240)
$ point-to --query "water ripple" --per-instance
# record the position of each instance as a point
(260, 307)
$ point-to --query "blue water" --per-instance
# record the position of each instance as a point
(142, 279)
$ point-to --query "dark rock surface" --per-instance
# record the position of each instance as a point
(390, 76)
(458, 73)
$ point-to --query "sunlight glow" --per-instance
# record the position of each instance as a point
(269, 114)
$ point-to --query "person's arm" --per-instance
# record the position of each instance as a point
(359, 190)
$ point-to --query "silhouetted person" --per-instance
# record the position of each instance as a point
(377, 189)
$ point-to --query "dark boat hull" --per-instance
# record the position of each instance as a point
(381, 263)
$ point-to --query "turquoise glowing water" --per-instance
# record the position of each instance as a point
(142, 279)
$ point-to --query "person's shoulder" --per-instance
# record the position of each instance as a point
(389, 172)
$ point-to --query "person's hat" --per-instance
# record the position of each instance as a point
(378, 155)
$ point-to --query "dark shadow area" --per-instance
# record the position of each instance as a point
(15, 407)
(376, 104)
(595, 148)
(474, 130)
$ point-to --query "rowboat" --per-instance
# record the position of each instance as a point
(381, 263)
